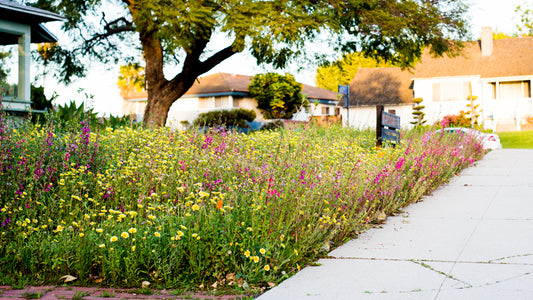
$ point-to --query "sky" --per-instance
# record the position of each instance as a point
(101, 81)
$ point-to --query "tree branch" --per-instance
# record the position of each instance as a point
(111, 28)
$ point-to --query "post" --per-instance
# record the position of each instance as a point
(24, 91)
(345, 91)
(379, 124)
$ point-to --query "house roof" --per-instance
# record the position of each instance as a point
(510, 57)
(225, 84)
(372, 86)
(14, 12)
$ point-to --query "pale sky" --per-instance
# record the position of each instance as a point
(499, 14)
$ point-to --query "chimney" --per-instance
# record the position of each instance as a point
(486, 41)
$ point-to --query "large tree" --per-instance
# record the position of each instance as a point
(341, 72)
(172, 31)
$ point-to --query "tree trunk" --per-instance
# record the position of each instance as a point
(162, 92)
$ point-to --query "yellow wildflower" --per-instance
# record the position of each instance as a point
(59, 228)
(247, 253)
(99, 230)
(114, 239)
(157, 234)
(180, 233)
(255, 259)
(101, 246)
(132, 230)
(81, 234)
(266, 267)
(125, 235)
(195, 207)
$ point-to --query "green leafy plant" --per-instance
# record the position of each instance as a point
(32, 295)
(226, 118)
(80, 295)
(278, 96)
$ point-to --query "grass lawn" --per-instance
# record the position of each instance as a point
(517, 139)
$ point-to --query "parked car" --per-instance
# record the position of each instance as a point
(489, 140)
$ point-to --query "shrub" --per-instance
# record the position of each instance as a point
(278, 96)
(274, 125)
(460, 120)
(226, 118)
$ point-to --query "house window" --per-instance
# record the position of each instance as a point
(204, 103)
(325, 110)
(511, 89)
(451, 90)
(237, 102)
(221, 102)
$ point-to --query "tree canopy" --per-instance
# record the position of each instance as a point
(181, 33)
(278, 96)
(341, 72)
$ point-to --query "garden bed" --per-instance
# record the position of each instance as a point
(187, 210)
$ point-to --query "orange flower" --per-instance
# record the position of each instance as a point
(219, 204)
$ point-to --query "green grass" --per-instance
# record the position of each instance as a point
(517, 139)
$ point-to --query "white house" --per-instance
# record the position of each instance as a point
(498, 72)
(228, 91)
(20, 24)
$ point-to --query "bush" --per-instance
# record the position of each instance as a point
(274, 125)
(226, 118)
(460, 120)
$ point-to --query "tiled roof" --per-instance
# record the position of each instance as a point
(225, 82)
(372, 86)
(510, 57)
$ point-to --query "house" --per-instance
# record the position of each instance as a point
(21, 25)
(391, 87)
(228, 91)
(498, 73)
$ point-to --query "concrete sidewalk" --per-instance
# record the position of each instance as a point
(472, 239)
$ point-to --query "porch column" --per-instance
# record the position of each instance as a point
(24, 86)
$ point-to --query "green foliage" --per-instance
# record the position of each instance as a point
(526, 19)
(418, 114)
(188, 209)
(275, 32)
(131, 79)
(274, 125)
(4, 69)
(278, 96)
(498, 35)
(226, 118)
(70, 114)
(341, 72)
(473, 111)
(39, 100)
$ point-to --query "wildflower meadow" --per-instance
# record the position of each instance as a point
(116, 207)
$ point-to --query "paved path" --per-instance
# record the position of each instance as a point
(472, 239)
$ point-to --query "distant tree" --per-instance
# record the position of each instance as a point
(341, 72)
(131, 79)
(498, 35)
(181, 32)
(278, 96)
(4, 66)
(526, 19)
